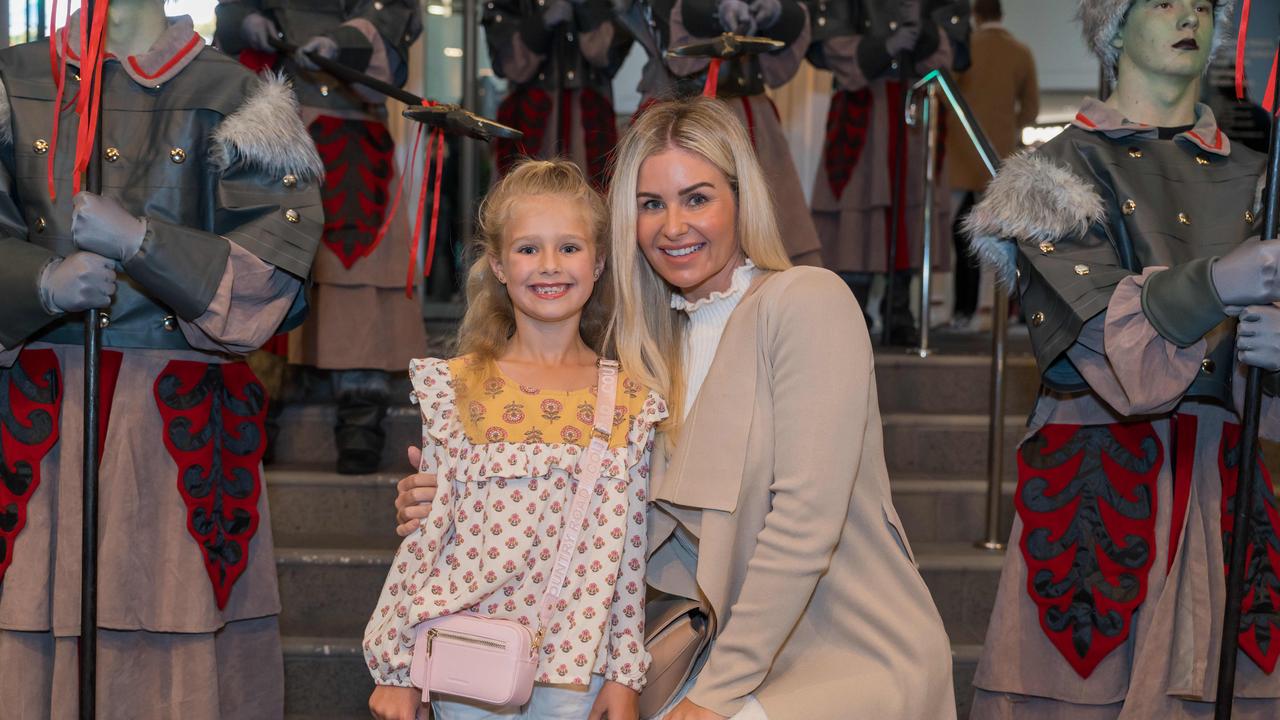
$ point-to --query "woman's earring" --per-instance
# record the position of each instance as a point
(597, 277)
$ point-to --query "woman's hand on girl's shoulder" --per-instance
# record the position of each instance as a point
(687, 710)
(615, 701)
(390, 702)
(414, 494)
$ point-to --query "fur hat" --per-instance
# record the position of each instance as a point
(1102, 20)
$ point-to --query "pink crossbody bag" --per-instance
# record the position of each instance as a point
(492, 660)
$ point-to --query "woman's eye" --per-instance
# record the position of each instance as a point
(651, 205)
(697, 199)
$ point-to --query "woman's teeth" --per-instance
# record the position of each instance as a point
(681, 252)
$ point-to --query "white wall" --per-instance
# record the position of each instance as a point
(1050, 29)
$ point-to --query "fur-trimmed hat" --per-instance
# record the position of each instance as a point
(1102, 20)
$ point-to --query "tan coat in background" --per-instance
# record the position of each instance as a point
(779, 473)
(1004, 95)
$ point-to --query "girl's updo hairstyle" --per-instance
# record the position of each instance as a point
(490, 320)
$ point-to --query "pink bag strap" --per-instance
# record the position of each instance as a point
(591, 467)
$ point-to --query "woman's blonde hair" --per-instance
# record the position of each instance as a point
(647, 332)
(490, 320)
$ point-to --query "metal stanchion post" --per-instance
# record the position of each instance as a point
(470, 81)
(995, 440)
(930, 177)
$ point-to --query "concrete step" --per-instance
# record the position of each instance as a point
(316, 508)
(325, 678)
(332, 593)
(916, 443)
(952, 383)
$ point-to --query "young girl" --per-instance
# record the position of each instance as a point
(504, 424)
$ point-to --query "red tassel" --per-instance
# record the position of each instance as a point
(713, 77)
(1241, 41)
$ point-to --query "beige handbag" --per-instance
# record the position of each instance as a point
(677, 631)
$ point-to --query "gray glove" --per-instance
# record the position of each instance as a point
(735, 16)
(78, 282)
(321, 45)
(557, 13)
(1258, 337)
(100, 225)
(255, 28)
(902, 40)
(765, 12)
(1249, 274)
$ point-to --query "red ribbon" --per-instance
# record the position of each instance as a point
(434, 158)
(88, 102)
(1242, 41)
(713, 77)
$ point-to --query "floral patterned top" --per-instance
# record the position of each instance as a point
(506, 458)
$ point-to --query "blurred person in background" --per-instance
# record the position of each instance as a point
(1000, 86)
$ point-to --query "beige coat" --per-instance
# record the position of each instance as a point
(1001, 89)
(801, 556)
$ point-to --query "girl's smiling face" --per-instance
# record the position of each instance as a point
(1168, 37)
(549, 261)
(686, 222)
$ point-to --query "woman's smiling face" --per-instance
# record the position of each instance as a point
(686, 222)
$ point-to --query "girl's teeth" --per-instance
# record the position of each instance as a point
(549, 290)
(685, 251)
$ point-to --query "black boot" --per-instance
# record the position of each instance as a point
(902, 325)
(362, 404)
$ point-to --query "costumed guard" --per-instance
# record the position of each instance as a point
(560, 57)
(863, 174)
(362, 326)
(660, 25)
(1126, 238)
(196, 249)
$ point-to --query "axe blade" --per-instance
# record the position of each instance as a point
(456, 120)
(727, 46)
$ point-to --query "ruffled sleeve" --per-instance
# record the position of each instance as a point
(434, 394)
(389, 635)
(627, 659)
(1126, 362)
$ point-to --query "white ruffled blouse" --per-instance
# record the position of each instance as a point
(506, 457)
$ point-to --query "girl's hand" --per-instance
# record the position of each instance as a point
(686, 710)
(414, 496)
(615, 702)
(389, 702)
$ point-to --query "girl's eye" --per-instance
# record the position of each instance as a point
(570, 249)
(526, 250)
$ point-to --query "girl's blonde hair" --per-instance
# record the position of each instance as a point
(490, 320)
(647, 332)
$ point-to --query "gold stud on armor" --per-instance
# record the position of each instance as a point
(104, 321)
(1129, 207)
(1135, 153)
(1182, 218)
(40, 224)
(1202, 160)
(178, 155)
(1207, 366)
(1037, 320)
(40, 146)
(292, 216)
(324, 90)
(1249, 217)
(1046, 247)
(289, 180)
(113, 154)
(1082, 270)
(170, 323)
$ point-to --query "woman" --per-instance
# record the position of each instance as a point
(788, 535)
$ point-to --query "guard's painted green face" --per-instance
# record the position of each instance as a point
(1167, 37)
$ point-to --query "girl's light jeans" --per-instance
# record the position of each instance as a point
(548, 702)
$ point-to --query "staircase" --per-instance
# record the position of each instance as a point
(334, 534)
